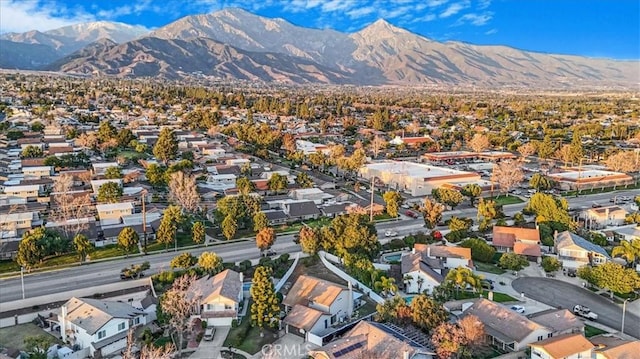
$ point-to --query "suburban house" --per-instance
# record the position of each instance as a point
(276, 217)
(411, 141)
(523, 241)
(220, 297)
(314, 305)
(38, 171)
(100, 326)
(560, 321)
(334, 210)
(611, 347)
(30, 192)
(628, 233)
(574, 251)
(372, 340)
(505, 328)
(597, 218)
(420, 273)
(220, 182)
(316, 195)
(569, 346)
(449, 257)
(308, 147)
(112, 213)
(18, 223)
(101, 168)
(301, 210)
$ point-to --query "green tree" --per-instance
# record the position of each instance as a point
(577, 151)
(198, 233)
(31, 250)
(277, 183)
(432, 212)
(612, 277)
(260, 221)
(540, 182)
(458, 224)
(309, 240)
(550, 264)
(461, 278)
(427, 313)
(128, 240)
(471, 191)
(37, 126)
(183, 261)
(386, 286)
(37, 346)
(481, 251)
(351, 235)
(518, 219)
(265, 309)
(393, 200)
(31, 152)
(106, 131)
(549, 209)
(155, 175)
(211, 263)
(82, 245)
(546, 148)
(113, 172)
(109, 192)
(629, 250)
(229, 227)
(124, 137)
(303, 180)
(166, 148)
(265, 238)
(447, 196)
(244, 185)
(394, 310)
(513, 261)
(448, 340)
(165, 234)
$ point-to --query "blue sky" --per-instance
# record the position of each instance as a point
(596, 28)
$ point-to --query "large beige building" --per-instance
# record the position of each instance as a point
(416, 179)
(590, 178)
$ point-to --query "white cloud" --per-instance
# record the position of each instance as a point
(20, 16)
(454, 9)
(394, 13)
(483, 4)
(436, 3)
(491, 32)
(475, 19)
(362, 11)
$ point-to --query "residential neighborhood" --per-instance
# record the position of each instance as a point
(213, 225)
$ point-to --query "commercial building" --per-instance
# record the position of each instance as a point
(466, 156)
(415, 179)
(583, 180)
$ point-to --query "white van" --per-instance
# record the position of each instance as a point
(208, 334)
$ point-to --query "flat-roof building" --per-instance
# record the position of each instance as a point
(441, 157)
(415, 179)
(581, 180)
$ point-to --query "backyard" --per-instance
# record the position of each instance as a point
(13, 337)
(247, 338)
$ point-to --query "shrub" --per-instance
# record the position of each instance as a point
(480, 250)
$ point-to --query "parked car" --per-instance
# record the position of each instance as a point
(517, 309)
(208, 334)
(390, 233)
(584, 312)
(411, 214)
(131, 275)
(596, 205)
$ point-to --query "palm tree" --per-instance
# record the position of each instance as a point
(461, 277)
(388, 285)
(406, 279)
(420, 282)
(630, 251)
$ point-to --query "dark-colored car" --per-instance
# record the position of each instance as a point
(131, 275)
(411, 214)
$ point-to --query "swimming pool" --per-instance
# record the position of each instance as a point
(246, 286)
(393, 257)
(408, 299)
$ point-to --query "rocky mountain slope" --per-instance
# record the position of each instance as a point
(233, 43)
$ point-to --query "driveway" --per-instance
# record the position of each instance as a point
(558, 293)
(211, 349)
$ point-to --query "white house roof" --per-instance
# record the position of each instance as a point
(114, 206)
(28, 188)
(93, 314)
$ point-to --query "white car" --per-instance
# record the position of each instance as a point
(517, 309)
(390, 233)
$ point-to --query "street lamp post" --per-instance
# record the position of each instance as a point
(624, 309)
(22, 280)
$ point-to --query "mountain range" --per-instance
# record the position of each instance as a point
(235, 44)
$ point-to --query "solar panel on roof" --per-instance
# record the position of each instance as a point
(348, 349)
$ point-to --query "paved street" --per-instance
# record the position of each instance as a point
(562, 294)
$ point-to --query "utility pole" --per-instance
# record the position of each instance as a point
(373, 184)
(624, 309)
(144, 221)
(22, 281)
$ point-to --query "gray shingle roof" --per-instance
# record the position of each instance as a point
(93, 314)
(567, 238)
(227, 284)
(306, 208)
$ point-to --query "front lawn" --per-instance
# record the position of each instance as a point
(497, 296)
(184, 240)
(9, 266)
(109, 251)
(489, 268)
(590, 331)
(505, 200)
(247, 338)
(132, 155)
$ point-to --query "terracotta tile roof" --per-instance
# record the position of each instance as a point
(520, 234)
(310, 289)
(444, 251)
(527, 249)
(610, 347)
(32, 162)
(504, 240)
(564, 345)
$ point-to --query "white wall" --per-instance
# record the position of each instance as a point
(412, 285)
(355, 283)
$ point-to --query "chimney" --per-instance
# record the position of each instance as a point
(429, 251)
(241, 277)
(63, 322)
(350, 308)
(405, 354)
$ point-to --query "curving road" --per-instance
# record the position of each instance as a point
(557, 293)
